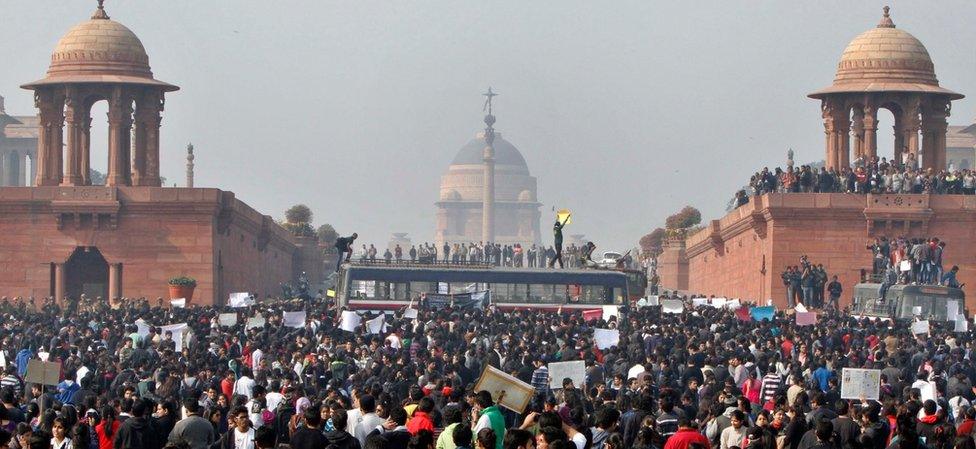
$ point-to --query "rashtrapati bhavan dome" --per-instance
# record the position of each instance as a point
(515, 206)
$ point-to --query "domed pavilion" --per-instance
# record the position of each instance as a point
(516, 209)
(99, 59)
(885, 68)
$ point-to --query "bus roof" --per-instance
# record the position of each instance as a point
(500, 275)
(937, 290)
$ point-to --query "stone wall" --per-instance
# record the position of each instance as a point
(742, 254)
(155, 233)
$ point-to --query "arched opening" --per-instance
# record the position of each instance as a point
(886, 132)
(98, 137)
(12, 168)
(86, 271)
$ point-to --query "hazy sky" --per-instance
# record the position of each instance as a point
(625, 111)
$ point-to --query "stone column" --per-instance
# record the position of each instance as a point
(3, 169)
(117, 109)
(49, 138)
(153, 122)
(59, 281)
(22, 170)
(842, 136)
(910, 126)
(86, 148)
(857, 132)
(934, 126)
(870, 132)
(830, 151)
(74, 119)
(114, 281)
(900, 149)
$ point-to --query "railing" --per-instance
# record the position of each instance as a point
(417, 263)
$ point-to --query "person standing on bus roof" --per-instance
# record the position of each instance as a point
(557, 233)
(344, 246)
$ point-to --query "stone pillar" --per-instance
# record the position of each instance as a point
(837, 127)
(49, 138)
(910, 127)
(842, 136)
(32, 176)
(74, 121)
(117, 137)
(59, 281)
(114, 281)
(870, 132)
(900, 149)
(86, 148)
(857, 132)
(3, 169)
(934, 126)
(148, 120)
(488, 193)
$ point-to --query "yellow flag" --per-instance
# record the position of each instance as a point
(564, 215)
(330, 293)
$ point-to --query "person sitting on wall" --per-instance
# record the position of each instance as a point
(949, 279)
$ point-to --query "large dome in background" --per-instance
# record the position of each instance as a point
(885, 58)
(472, 153)
(100, 50)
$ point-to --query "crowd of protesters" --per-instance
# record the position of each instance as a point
(912, 261)
(514, 255)
(701, 379)
(871, 176)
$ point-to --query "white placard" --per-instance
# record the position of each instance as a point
(733, 304)
(952, 310)
(606, 338)
(350, 321)
(672, 306)
(698, 302)
(800, 308)
(410, 313)
(920, 327)
(917, 310)
(178, 303)
(905, 265)
(575, 370)
(961, 325)
(293, 319)
(635, 371)
(3, 360)
(609, 312)
(142, 328)
(376, 325)
(227, 319)
(860, 383)
(240, 299)
(256, 321)
(177, 330)
(718, 303)
(44, 356)
(653, 300)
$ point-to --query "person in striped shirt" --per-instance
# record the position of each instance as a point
(540, 377)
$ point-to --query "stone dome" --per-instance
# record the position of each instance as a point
(472, 153)
(885, 58)
(100, 50)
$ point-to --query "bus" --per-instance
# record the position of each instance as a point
(905, 302)
(378, 286)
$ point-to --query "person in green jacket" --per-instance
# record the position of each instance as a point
(486, 415)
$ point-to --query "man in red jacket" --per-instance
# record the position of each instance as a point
(421, 419)
(686, 435)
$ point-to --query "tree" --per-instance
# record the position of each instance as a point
(651, 244)
(298, 214)
(327, 234)
(685, 218)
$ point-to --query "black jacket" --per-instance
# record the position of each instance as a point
(342, 439)
(305, 438)
(138, 433)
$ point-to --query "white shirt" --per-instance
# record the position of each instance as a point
(254, 413)
(273, 399)
(244, 386)
(244, 440)
(369, 422)
(256, 357)
(579, 440)
(65, 443)
(394, 341)
(354, 417)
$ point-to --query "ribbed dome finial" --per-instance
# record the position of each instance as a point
(100, 13)
(886, 19)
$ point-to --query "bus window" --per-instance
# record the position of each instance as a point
(423, 287)
(618, 296)
(401, 291)
(592, 294)
(544, 293)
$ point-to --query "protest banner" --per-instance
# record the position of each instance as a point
(698, 302)
(961, 325)
(653, 300)
(142, 327)
(742, 314)
(44, 373)
(606, 338)
(762, 313)
(227, 319)
(376, 325)
(592, 314)
(177, 331)
(672, 306)
(293, 319)
(575, 370)
(506, 391)
(860, 383)
(256, 321)
(410, 313)
(178, 303)
(240, 299)
(610, 312)
(350, 321)
(800, 308)
(806, 318)
(920, 327)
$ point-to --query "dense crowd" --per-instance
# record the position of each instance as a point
(872, 176)
(514, 255)
(696, 380)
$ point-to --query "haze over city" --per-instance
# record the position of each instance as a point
(624, 112)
